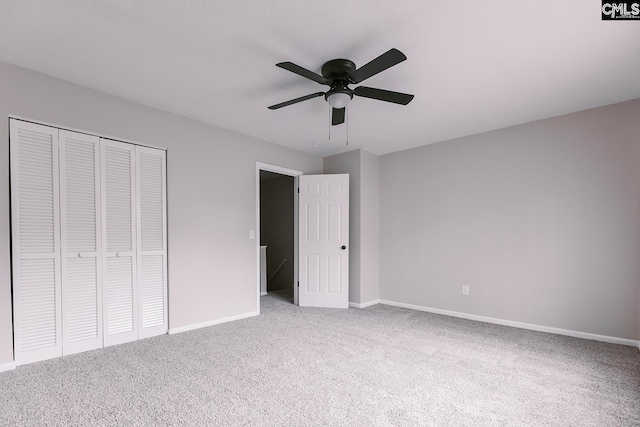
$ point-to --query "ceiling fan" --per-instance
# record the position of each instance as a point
(338, 74)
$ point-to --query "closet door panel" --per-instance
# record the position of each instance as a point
(35, 241)
(81, 234)
(120, 295)
(81, 305)
(152, 238)
(119, 242)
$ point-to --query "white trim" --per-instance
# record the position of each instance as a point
(263, 294)
(277, 169)
(364, 304)
(212, 323)
(295, 174)
(40, 122)
(4, 367)
(514, 324)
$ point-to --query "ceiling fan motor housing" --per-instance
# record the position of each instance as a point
(338, 71)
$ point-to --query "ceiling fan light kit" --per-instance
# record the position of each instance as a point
(338, 98)
(338, 74)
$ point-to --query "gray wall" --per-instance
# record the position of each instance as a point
(276, 229)
(369, 226)
(211, 192)
(363, 170)
(541, 220)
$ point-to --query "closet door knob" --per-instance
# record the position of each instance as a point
(118, 254)
(80, 254)
(343, 247)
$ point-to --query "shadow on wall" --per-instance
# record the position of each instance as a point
(276, 228)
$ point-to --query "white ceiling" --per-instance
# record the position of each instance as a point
(473, 65)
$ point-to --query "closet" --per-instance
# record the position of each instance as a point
(89, 252)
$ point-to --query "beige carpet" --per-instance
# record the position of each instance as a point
(291, 366)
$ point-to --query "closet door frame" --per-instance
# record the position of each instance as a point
(22, 357)
(60, 254)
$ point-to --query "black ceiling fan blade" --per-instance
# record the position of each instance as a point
(295, 101)
(290, 66)
(337, 116)
(386, 60)
(383, 95)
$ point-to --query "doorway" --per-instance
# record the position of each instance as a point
(277, 230)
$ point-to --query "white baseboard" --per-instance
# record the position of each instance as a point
(364, 304)
(211, 323)
(521, 325)
(263, 294)
(7, 366)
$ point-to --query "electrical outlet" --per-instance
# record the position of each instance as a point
(465, 290)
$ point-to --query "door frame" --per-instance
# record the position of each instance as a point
(295, 174)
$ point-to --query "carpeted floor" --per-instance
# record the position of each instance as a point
(292, 366)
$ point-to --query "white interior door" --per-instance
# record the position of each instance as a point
(120, 303)
(35, 238)
(152, 241)
(81, 244)
(324, 241)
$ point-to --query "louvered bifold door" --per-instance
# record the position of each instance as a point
(120, 303)
(35, 241)
(152, 241)
(80, 228)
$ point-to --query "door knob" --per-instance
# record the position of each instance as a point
(344, 247)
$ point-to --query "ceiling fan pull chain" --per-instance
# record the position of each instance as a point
(330, 115)
(346, 119)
